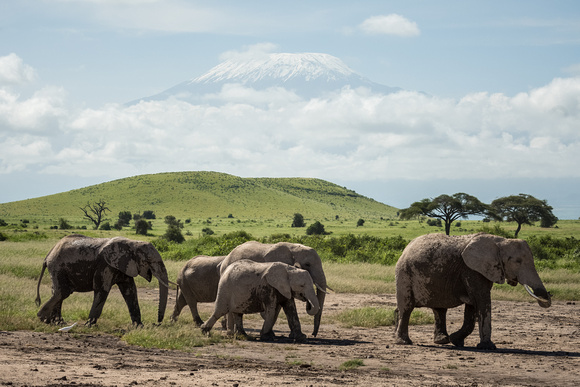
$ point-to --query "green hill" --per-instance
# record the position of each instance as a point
(200, 195)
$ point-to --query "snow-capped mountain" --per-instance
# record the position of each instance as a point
(308, 75)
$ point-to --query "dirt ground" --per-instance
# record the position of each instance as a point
(536, 347)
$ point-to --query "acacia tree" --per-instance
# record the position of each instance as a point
(96, 212)
(447, 208)
(522, 209)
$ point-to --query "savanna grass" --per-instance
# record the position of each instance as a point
(370, 317)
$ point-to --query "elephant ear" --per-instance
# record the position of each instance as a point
(279, 252)
(482, 255)
(277, 277)
(118, 253)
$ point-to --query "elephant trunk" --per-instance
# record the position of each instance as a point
(163, 279)
(320, 295)
(534, 286)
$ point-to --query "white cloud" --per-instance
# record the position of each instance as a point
(392, 24)
(351, 135)
(14, 71)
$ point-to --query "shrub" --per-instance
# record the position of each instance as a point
(316, 228)
(142, 226)
(298, 220)
(148, 214)
(124, 218)
(63, 224)
(105, 226)
(207, 231)
(173, 234)
(360, 223)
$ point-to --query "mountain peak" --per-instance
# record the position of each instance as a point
(280, 66)
(306, 74)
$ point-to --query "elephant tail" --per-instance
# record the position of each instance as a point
(38, 285)
(396, 316)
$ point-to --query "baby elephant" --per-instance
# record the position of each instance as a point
(254, 287)
(198, 282)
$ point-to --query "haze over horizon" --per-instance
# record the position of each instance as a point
(489, 99)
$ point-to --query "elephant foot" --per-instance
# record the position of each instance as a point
(441, 339)
(297, 337)
(91, 323)
(198, 322)
(205, 329)
(403, 341)
(457, 340)
(488, 345)
(269, 336)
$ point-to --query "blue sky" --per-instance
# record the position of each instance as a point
(490, 107)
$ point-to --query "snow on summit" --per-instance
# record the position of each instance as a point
(307, 75)
(281, 66)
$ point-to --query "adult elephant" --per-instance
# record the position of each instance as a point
(261, 287)
(440, 272)
(197, 282)
(294, 254)
(82, 264)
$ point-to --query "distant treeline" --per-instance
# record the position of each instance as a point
(549, 252)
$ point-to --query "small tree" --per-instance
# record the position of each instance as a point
(149, 214)
(173, 232)
(522, 209)
(360, 222)
(447, 208)
(142, 226)
(63, 224)
(298, 220)
(124, 218)
(316, 228)
(96, 212)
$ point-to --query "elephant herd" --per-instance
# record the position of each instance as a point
(434, 271)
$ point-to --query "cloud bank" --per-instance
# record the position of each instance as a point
(352, 134)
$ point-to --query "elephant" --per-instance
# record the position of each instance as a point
(251, 287)
(78, 263)
(440, 272)
(295, 254)
(198, 282)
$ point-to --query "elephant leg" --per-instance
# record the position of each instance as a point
(51, 310)
(99, 300)
(187, 297)
(179, 305)
(129, 292)
(440, 335)
(402, 330)
(469, 318)
(485, 326)
(296, 334)
(238, 322)
(270, 315)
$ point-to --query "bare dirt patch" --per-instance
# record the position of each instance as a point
(536, 347)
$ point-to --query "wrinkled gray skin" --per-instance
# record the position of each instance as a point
(81, 264)
(440, 272)
(198, 282)
(261, 287)
(293, 254)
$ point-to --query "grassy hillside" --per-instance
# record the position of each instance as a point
(200, 195)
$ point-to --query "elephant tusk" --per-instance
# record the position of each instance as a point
(531, 293)
(320, 288)
(165, 284)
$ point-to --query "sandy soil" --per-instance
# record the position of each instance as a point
(536, 347)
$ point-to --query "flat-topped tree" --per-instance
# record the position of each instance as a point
(447, 208)
(522, 209)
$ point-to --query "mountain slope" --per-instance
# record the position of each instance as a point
(307, 74)
(208, 194)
